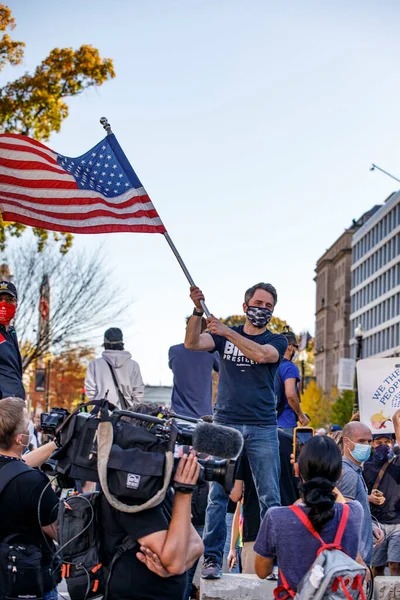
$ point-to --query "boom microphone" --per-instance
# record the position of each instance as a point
(217, 440)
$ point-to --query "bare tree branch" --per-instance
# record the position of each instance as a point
(83, 296)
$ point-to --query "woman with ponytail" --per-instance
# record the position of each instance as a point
(284, 538)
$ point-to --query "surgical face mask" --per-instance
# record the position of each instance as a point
(7, 312)
(361, 452)
(26, 435)
(259, 317)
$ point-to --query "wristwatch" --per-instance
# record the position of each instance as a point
(196, 313)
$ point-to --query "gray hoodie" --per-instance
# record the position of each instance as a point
(99, 378)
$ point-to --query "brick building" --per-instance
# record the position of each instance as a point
(332, 316)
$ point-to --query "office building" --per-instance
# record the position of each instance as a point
(375, 287)
(332, 317)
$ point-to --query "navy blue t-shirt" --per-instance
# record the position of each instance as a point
(10, 365)
(192, 391)
(286, 370)
(246, 388)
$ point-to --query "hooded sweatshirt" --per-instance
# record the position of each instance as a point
(99, 378)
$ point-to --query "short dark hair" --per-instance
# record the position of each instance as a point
(267, 287)
(290, 336)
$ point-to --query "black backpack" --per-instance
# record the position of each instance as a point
(78, 527)
(21, 572)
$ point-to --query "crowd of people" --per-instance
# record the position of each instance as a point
(344, 489)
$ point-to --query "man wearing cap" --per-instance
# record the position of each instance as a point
(115, 372)
(10, 357)
(286, 386)
(382, 476)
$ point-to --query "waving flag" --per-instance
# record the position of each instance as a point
(98, 192)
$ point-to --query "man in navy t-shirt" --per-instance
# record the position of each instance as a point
(287, 388)
(192, 390)
(250, 355)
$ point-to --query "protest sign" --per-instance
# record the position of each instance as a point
(379, 392)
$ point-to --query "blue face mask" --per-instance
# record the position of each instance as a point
(361, 452)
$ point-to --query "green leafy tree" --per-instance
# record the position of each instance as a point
(342, 408)
(35, 104)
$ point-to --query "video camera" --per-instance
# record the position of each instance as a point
(50, 422)
(134, 455)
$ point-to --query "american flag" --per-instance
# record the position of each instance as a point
(98, 192)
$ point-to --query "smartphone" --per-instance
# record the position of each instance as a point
(301, 435)
(378, 493)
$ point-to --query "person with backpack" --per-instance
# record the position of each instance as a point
(297, 535)
(116, 373)
(286, 386)
(29, 507)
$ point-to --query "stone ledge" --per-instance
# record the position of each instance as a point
(386, 588)
(237, 587)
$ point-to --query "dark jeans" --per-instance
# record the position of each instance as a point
(262, 449)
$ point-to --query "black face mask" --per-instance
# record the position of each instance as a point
(259, 317)
(383, 452)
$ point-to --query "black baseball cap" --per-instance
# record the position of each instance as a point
(376, 436)
(6, 287)
(113, 336)
(290, 336)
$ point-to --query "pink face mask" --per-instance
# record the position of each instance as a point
(7, 312)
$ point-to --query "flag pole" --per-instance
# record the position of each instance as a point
(107, 127)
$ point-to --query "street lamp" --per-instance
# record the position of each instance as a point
(358, 334)
(303, 360)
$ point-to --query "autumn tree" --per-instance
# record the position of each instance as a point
(316, 405)
(35, 103)
(68, 370)
(84, 297)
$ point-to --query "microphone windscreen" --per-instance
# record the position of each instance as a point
(217, 440)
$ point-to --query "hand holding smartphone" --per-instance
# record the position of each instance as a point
(301, 435)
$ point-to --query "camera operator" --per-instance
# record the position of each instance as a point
(28, 505)
(166, 543)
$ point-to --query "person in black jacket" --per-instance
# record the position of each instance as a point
(10, 357)
(28, 504)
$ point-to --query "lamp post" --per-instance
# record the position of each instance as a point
(303, 360)
(358, 334)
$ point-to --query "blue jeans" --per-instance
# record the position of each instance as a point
(52, 595)
(262, 449)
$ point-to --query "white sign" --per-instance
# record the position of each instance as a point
(379, 392)
(347, 369)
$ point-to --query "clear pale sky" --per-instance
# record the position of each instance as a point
(252, 126)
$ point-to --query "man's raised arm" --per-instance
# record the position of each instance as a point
(194, 339)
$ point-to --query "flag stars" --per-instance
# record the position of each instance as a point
(112, 175)
(106, 165)
(115, 167)
(101, 155)
(120, 175)
(83, 161)
(109, 156)
(127, 185)
(103, 147)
